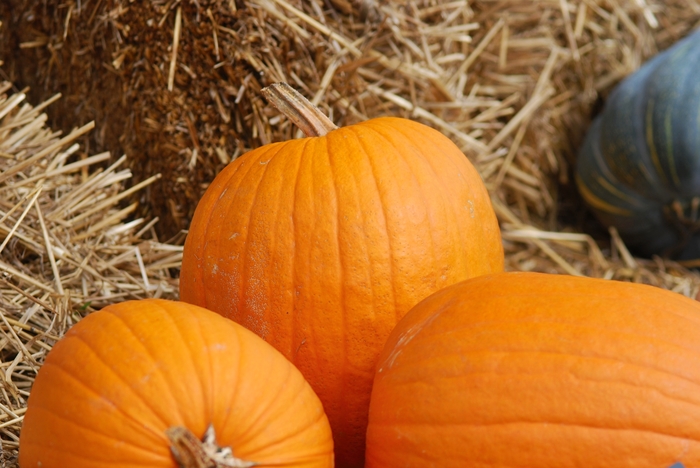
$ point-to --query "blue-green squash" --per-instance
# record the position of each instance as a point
(639, 166)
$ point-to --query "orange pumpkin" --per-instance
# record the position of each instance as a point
(131, 383)
(321, 244)
(534, 370)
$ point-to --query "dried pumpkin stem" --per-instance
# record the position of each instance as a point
(298, 109)
(190, 452)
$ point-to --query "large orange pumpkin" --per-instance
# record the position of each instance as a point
(533, 370)
(131, 383)
(321, 244)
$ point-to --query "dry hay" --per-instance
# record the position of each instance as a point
(176, 83)
(67, 247)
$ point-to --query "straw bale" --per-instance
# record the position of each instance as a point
(68, 246)
(175, 84)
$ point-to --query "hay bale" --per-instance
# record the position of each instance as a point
(68, 246)
(175, 84)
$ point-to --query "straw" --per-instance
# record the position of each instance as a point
(61, 256)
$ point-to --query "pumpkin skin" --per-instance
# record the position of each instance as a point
(320, 245)
(643, 153)
(122, 376)
(534, 370)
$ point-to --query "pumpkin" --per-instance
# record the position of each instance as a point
(535, 370)
(639, 166)
(320, 244)
(157, 383)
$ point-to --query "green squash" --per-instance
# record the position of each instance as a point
(639, 166)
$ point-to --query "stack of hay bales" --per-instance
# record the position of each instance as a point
(176, 84)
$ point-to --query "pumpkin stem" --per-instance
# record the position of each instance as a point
(298, 109)
(190, 452)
